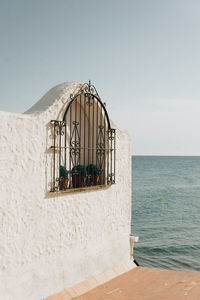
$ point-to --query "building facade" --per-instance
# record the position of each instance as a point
(65, 193)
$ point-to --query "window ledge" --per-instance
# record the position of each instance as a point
(82, 189)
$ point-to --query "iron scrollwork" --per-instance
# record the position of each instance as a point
(83, 138)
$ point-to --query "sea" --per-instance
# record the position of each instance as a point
(166, 211)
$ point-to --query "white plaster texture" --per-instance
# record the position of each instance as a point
(49, 241)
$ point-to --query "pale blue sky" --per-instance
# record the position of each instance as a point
(143, 57)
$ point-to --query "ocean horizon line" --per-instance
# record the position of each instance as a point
(165, 155)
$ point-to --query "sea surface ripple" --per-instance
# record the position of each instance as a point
(166, 211)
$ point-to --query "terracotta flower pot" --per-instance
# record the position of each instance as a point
(63, 183)
(93, 180)
(78, 181)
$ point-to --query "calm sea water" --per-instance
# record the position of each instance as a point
(166, 211)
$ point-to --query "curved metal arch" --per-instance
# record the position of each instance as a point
(87, 89)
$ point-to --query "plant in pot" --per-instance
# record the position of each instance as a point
(93, 174)
(63, 178)
(79, 174)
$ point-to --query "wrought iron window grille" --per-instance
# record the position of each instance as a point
(84, 144)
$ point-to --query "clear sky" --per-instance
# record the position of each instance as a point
(143, 57)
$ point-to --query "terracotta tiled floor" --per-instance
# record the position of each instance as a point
(148, 284)
(143, 284)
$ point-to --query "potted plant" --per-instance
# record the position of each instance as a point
(93, 174)
(79, 174)
(63, 178)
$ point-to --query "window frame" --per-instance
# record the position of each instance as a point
(70, 139)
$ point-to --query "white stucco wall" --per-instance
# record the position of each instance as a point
(50, 242)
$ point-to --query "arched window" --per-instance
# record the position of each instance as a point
(83, 144)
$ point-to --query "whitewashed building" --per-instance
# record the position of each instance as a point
(65, 193)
